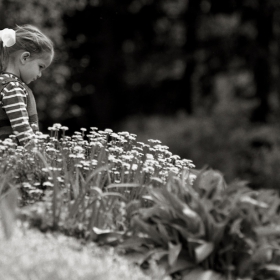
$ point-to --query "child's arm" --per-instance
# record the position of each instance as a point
(14, 103)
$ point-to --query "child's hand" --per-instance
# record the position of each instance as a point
(31, 144)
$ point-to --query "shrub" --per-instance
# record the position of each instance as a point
(224, 141)
(148, 202)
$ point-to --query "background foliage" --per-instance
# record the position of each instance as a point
(200, 75)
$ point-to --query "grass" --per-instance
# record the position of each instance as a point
(31, 254)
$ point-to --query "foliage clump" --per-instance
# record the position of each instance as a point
(147, 202)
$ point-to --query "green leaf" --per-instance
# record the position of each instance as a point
(135, 257)
(94, 216)
(199, 274)
(208, 182)
(263, 254)
(163, 232)
(123, 185)
(203, 251)
(269, 271)
(169, 202)
(273, 267)
(157, 255)
(136, 243)
(182, 263)
(114, 194)
(174, 251)
(92, 174)
(183, 230)
(147, 197)
(267, 230)
(107, 237)
(155, 211)
(149, 229)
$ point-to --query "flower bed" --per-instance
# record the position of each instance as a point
(150, 204)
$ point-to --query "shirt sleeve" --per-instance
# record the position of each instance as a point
(15, 105)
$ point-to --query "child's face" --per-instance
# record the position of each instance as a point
(32, 69)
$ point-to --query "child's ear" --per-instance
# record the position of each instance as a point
(24, 57)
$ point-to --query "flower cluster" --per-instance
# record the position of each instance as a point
(129, 161)
(74, 173)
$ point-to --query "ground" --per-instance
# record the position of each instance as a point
(31, 255)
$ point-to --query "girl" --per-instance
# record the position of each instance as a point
(24, 53)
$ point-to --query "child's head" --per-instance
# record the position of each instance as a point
(31, 53)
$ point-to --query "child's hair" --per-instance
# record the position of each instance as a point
(28, 38)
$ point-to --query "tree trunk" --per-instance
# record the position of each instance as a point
(262, 67)
(191, 19)
(3, 5)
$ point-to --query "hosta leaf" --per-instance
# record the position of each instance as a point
(183, 230)
(235, 226)
(136, 243)
(263, 255)
(149, 229)
(163, 232)
(106, 237)
(209, 182)
(273, 267)
(269, 271)
(166, 199)
(155, 211)
(252, 201)
(267, 230)
(182, 263)
(218, 233)
(160, 199)
(136, 257)
(199, 274)
(147, 197)
(158, 254)
(174, 251)
(243, 264)
(273, 206)
(181, 210)
(203, 251)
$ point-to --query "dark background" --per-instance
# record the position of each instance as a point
(202, 76)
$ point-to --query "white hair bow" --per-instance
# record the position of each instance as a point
(8, 36)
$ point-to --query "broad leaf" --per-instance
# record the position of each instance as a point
(182, 263)
(200, 274)
(123, 185)
(149, 229)
(203, 251)
(174, 251)
(107, 237)
(268, 230)
(136, 243)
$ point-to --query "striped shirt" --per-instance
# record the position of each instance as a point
(18, 113)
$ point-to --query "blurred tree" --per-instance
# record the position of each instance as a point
(50, 91)
(260, 56)
(144, 57)
(2, 14)
(217, 61)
